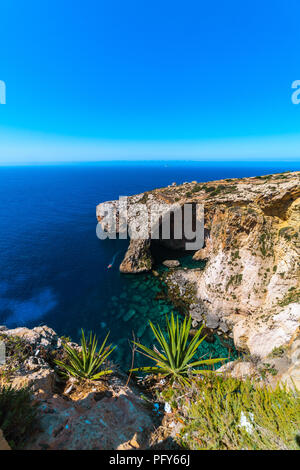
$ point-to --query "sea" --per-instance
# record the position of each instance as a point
(53, 268)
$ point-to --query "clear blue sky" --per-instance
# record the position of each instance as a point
(162, 79)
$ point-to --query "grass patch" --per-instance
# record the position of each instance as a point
(278, 352)
(292, 296)
(17, 350)
(227, 414)
(17, 415)
(288, 233)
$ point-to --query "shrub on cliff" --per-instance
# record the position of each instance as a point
(175, 360)
(86, 363)
(223, 413)
(17, 415)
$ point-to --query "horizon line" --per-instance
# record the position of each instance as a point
(142, 161)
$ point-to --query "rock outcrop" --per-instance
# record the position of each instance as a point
(171, 263)
(3, 442)
(251, 281)
(104, 414)
(138, 257)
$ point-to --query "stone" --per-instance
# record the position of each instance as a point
(212, 321)
(260, 338)
(171, 263)
(138, 257)
(37, 337)
(81, 418)
(201, 255)
(40, 381)
(119, 420)
(223, 327)
(129, 314)
(3, 442)
(141, 330)
(291, 376)
(33, 363)
(239, 370)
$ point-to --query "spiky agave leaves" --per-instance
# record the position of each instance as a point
(87, 363)
(175, 358)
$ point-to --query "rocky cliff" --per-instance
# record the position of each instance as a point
(251, 280)
(72, 415)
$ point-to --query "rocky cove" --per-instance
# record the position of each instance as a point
(243, 284)
(249, 288)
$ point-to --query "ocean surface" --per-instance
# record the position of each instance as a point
(53, 268)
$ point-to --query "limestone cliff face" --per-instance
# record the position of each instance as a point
(251, 281)
(138, 257)
(252, 274)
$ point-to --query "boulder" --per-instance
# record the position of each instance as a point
(212, 321)
(3, 442)
(37, 337)
(117, 420)
(171, 263)
(40, 380)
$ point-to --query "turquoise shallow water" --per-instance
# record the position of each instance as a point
(140, 299)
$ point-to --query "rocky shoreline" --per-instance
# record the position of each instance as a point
(114, 413)
(250, 286)
(247, 291)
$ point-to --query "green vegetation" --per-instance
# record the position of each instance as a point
(144, 198)
(228, 414)
(181, 299)
(267, 369)
(17, 350)
(212, 190)
(18, 415)
(196, 188)
(86, 363)
(262, 239)
(235, 255)
(278, 352)
(175, 360)
(265, 243)
(236, 280)
(288, 233)
(266, 177)
(293, 295)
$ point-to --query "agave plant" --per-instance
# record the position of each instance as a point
(87, 363)
(175, 359)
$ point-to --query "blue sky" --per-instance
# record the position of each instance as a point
(164, 79)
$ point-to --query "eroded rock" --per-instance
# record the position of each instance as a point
(138, 257)
(171, 263)
(3, 442)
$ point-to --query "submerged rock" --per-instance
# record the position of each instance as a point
(129, 314)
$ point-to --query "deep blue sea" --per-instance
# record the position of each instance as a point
(53, 268)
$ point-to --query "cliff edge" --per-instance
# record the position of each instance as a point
(251, 281)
